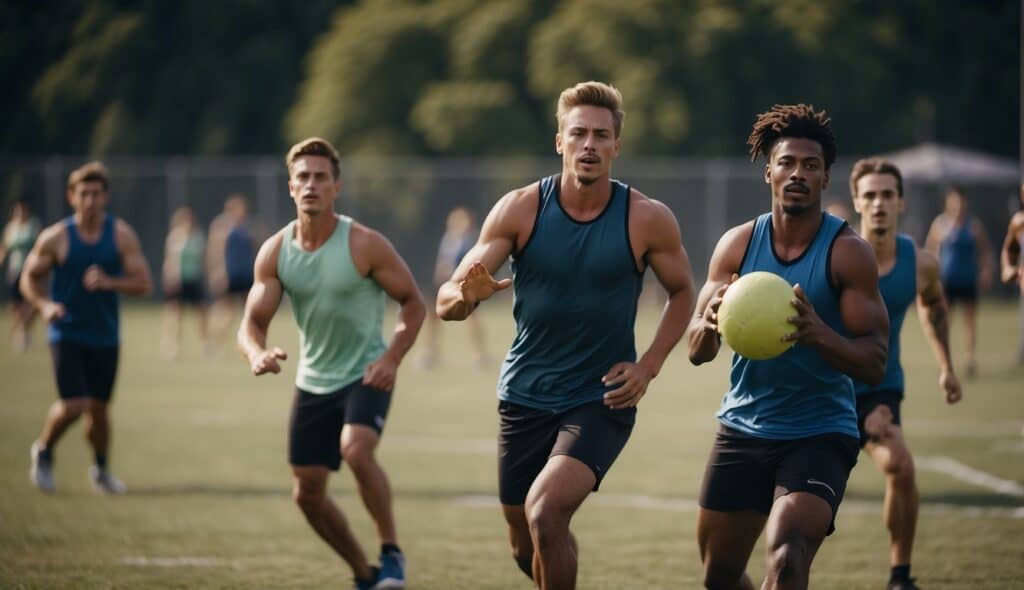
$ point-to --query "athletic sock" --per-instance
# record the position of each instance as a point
(101, 461)
(389, 548)
(46, 454)
(900, 573)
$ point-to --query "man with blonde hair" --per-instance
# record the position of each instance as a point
(93, 257)
(336, 273)
(579, 244)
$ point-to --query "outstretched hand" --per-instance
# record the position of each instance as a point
(266, 361)
(479, 285)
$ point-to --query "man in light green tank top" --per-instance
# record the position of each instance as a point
(337, 273)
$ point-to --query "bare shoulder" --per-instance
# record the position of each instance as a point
(649, 211)
(363, 238)
(519, 202)
(124, 231)
(52, 235)
(926, 261)
(852, 257)
(266, 258)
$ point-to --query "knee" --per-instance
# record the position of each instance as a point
(900, 469)
(545, 521)
(789, 558)
(308, 498)
(96, 410)
(358, 456)
(74, 407)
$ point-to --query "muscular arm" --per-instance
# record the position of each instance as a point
(135, 278)
(262, 302)
(389, 271)
(863, 354)
(40, 261)
(458, 297)
(932, 309)
(668, 259)
(703, 335)
(1009, 254)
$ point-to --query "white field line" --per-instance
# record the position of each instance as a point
(968, 474)
(645, 502)
(176, 562)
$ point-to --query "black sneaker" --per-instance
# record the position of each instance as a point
(369, 584)
(907, 584)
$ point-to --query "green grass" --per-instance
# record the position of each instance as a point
(201, 445)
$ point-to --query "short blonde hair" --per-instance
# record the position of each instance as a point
(592, 93)
(93, 171)
(315, 146)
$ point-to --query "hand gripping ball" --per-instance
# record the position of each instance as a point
(752, 316)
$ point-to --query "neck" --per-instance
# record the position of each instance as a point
(584, 197)
(314, 230)
(89, 224)
(884, 244)
(795, 230)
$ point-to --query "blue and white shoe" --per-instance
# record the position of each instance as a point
(392, 571)
(41, 471)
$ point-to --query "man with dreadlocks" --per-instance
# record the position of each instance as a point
(788, 436)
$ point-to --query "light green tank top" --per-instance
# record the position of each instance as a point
(339, 311)
(190, 258)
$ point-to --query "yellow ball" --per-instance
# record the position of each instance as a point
(752, 316)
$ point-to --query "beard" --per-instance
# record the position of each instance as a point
(586, 180)
(795, 210)
(880, 231)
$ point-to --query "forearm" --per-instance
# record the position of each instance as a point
(410, 320)
(251, 338)
(137, 284)
(935, 323)
(862, 358)
(32, 289)
(670, 330)
(450, 304)
(704, 343)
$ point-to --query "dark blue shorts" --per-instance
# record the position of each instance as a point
(84, 371)
(314, 434)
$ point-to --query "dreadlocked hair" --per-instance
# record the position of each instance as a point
(792, 120)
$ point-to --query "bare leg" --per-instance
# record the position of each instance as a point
(62, 414)
(971, 336)
(310, 494)
(889, 451)
(554, 497)
(97, 426)
(726, 540)
(519, 537)
(357, 447)
(172, 329)
(202, 324)
(797, 525)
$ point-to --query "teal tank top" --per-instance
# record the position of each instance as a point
(339, 312)
(796, 394)
(899, 289)
(190, 259)
(575, 288)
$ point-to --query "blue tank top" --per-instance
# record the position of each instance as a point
(238, 254)
(796, 394)
(958, 258)
(899, 289)
(575, 295)
(90, 317)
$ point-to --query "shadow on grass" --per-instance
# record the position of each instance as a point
(284, 491)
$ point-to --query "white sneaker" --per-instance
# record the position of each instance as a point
(104, 482)
(41, 471)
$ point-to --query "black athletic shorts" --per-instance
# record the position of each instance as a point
(867, 402)
(240, 284)
(190, 293)
(593, 433)
(84, 371)
(749, 473)
(961, 293)
(314, 434)
(14, 291)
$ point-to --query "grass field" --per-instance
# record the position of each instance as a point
(201, 445)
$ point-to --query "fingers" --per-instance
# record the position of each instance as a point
(626, 396)
(503, 284)
(614, 372)
(277, 352)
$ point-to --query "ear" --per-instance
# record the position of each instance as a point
(618, 145)
(558, 142)
(768, 173)
(824, 184)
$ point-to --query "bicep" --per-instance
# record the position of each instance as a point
(666, 256)
(391, 272)
(725, 262)
(267, 291)
(131, 253)
(496, 242)
(929, 285)
(42, 257)
(861, 306)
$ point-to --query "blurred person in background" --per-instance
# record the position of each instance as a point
(183, 279)
(580, 243)
(337, 274)
(459, 236)
(1012, 264)
(959, 241)
(93, 257)
(906, 274)
(19, 236)
(230, 253)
